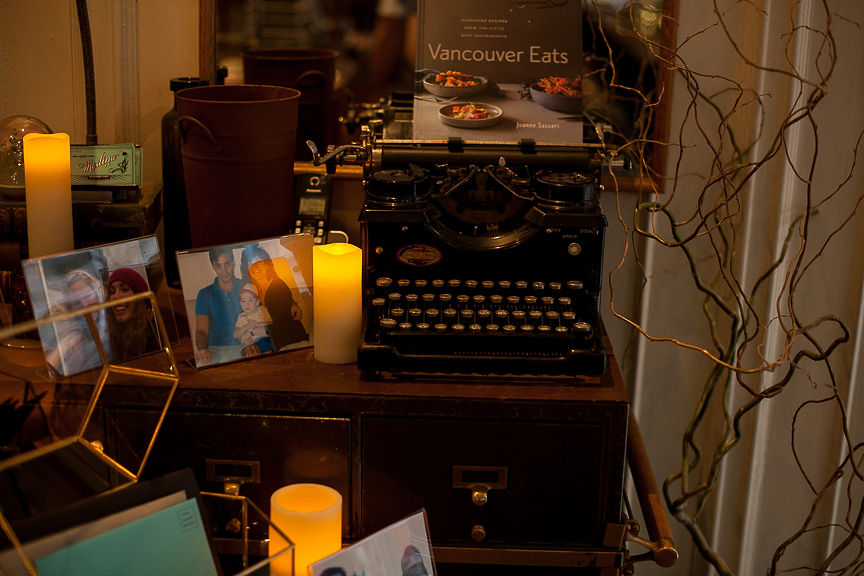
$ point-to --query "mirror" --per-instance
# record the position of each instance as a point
(622, 42)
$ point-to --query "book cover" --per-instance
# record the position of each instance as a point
(499, 71)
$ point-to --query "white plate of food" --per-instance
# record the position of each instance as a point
(470, 114)
(452, 84)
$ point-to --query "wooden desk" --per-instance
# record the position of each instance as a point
(547, 456)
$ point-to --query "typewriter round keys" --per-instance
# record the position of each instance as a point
(398, 187)
(566, 190)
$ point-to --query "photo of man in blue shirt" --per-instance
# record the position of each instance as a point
(217, 307)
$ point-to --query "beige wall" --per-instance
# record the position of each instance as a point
(137, 48)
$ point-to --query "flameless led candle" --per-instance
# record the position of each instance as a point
(48, 188)
(311, 516)
(337, 302)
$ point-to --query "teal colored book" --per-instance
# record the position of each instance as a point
(170, 542)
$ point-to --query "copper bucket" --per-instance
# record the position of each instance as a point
(238, 144)
(312, 71)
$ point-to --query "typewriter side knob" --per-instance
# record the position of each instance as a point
(566, 190)
(398, 187)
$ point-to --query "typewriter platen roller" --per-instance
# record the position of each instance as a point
(480, 258)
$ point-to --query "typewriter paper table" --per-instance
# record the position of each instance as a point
(511, 472)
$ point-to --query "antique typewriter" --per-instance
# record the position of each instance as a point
(479, 258)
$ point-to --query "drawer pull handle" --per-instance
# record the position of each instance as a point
(480, 480)
(479, 495)
(478, 533)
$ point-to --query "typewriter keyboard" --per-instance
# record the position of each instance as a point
(489, 326)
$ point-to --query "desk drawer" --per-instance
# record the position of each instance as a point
(262, 452)
(549, 483)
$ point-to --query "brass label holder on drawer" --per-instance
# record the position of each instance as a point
(233, 473)
(480, 480)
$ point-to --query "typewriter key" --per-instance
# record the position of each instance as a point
(582, 328)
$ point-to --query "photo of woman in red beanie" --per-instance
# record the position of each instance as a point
(131, 325)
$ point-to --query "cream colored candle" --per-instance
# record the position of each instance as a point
(311, 516)
(48, 187)
(337, 302)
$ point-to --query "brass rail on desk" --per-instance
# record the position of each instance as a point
(661, 546)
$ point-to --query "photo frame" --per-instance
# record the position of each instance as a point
(401, 549)
(87, 277)
(248, 299)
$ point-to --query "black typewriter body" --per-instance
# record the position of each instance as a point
(481, 259)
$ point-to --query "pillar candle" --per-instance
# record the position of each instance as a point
(48, 187)
(337, 302)
(311, 516)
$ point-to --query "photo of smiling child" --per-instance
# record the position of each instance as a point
(252, 323)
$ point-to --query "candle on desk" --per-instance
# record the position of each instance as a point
(311, 516)
(337, 302)
(48, 189)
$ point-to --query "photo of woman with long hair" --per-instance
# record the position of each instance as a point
(287, 328)
(131, 325)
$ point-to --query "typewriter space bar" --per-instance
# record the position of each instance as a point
(483, 354)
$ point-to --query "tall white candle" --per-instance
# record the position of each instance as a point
(337, 302)
(48, 187)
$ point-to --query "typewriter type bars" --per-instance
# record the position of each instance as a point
(482, 269)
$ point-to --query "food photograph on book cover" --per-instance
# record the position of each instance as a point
(493, 71)
(71, 281)
(248, 299)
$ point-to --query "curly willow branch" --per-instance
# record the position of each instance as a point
(739, 335)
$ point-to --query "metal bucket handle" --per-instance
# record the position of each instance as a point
(320, 78)
(201, 125)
